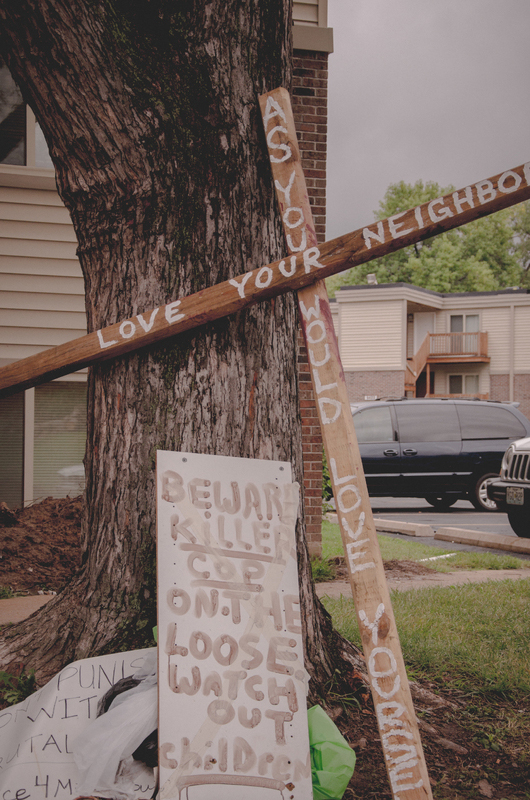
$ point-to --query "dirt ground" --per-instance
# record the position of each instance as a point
(39, 551)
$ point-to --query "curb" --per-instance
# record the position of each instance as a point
(497, 541)
(389, 526)
(407, 528)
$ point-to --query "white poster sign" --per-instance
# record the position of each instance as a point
(232, 684)
(41, 738)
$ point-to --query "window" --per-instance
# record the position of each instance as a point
(427, 422)
(60, 438)
(374, 425)
(463, 384)
(489, 422)
(468, 323)
(12, 450)
(22, 141)
(12, 120)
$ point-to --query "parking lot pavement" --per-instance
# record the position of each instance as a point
(418, 515)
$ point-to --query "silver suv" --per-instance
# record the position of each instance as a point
(511, 491)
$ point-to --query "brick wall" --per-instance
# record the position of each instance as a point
(521, 392)
(386, 383)
(500, 390)
(309, 99)
(499, 387)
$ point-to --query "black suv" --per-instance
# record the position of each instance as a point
(442, 450)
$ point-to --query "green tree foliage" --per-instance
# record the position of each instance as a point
(480, 256)
(522, 241)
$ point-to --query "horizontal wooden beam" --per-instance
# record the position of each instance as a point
(292, 273)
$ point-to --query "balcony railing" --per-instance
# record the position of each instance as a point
(458, 344)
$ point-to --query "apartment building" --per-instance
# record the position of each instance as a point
(398, 339)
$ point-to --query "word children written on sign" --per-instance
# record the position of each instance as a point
(232, 684)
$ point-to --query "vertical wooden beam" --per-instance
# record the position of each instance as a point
(396, 719)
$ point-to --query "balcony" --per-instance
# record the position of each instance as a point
(446, 348)
(455, 348)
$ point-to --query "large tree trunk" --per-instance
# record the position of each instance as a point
(150, 110)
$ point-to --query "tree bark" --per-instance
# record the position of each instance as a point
(150, 111)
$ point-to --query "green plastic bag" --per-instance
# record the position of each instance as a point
(332, 759)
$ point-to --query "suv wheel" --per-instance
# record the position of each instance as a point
(519, 520)
(479, 496)
(441, 501)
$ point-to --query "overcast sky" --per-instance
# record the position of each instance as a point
(430, 89)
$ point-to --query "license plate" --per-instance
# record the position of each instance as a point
(515, 495)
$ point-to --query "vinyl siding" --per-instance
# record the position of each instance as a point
(522, 339)
(41, 285)
(496, 321)
(307, 12)
(365, 345)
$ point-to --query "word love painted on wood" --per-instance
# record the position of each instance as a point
(298, 270)
(232, 684)
(39, 738)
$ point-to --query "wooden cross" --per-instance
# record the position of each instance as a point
(304, 270)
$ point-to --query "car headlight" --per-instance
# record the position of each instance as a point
(506, 461)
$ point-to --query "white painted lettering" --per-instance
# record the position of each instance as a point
(281, 146)
(311, 257)
(293, 268)
(394, 228)
(325, 360)
(148, 325)
(419, 217)
(335, 404)
(314, 311)
(506, 177)
(371, 662)
(373, 627)
(300, 247)
(319, 324)
(379, 236)
(443, 212)
(360, 526)
(485, 191)
(287, 190)
(240, 286)
(273, 109)
(104, 344)
(335, 475)
(466, 200)
(172, 314)
(318, 385)
(127, 329)
(264, 278)
(356, 502)
(396, 710)
(387, 695)
(298, 220)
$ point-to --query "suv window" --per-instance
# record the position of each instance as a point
(374, 425)
(427, 422)
(489, 422)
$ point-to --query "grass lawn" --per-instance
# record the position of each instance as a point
(413, 551)
(470, 644)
